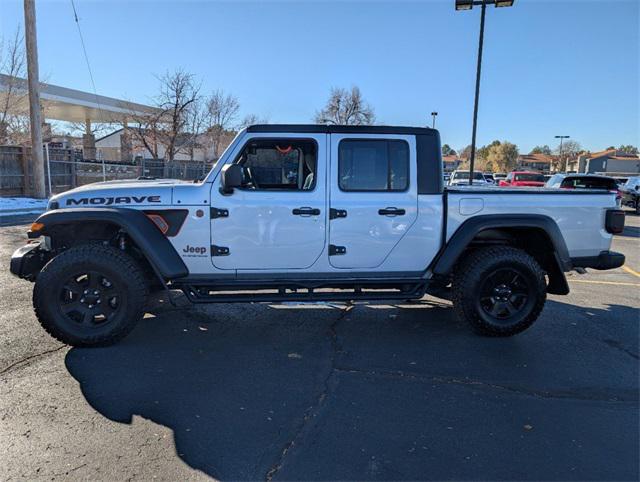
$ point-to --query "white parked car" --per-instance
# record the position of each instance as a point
(555, 181)
(307, 213)
(461, 178)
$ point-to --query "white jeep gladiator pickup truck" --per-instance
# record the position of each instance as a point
(307, 213)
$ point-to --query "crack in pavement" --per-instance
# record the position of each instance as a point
(618, 346)
(25, 361)
(543, 394)
(313, 409)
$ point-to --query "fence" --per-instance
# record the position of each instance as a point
(65, 169)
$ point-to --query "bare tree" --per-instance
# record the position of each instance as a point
(196, 121)
(146, 130)
(167, 126)
(97, 128)
(178, 93)
(13, 113)
(346, 107)
(252, 119)
(570, 150)
(222, 111)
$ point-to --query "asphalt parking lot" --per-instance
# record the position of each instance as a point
(319, 391)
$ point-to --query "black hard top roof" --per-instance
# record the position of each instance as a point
(339, 129)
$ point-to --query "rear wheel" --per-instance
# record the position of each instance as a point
(90, 295)
(500, 290)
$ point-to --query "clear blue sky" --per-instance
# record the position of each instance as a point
(550, 67)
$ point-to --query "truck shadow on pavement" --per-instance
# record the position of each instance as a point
(315, 391)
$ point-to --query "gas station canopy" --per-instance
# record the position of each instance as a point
(64, 104)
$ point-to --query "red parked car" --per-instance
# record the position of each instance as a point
(523, 179)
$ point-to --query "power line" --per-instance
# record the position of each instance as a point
(86, 57)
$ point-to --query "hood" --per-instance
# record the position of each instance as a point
(125, 193)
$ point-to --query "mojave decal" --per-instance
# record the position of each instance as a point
(108, 201)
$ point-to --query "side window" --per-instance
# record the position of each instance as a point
(373, 165)
(279, 164)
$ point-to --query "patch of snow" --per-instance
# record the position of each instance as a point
(23, 204)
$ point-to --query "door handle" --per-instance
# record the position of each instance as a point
(391, 212)
(306, 211)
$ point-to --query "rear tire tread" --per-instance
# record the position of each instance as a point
(467, 280)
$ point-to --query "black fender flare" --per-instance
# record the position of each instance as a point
(446, 260)
(154, 245)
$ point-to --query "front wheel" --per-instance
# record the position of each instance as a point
(90, 295)
(499, 290)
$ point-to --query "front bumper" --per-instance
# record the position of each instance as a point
(605, 260)
(27, 261)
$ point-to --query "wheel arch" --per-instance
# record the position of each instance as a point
(536, 234)
(104, 223)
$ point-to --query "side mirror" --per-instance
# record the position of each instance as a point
(232, 176)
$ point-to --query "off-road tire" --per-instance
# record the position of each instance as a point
(470, 276)
(123, 271)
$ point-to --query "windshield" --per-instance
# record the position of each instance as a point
(529, 176)
(465, 175)
(555, 180)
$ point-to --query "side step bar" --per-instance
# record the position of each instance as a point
(238, 294)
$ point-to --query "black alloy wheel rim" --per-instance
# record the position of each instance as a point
(89, 299)
(505, 294)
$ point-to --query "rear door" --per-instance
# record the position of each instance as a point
(373, 197)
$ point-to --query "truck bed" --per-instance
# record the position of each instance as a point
(580, 215)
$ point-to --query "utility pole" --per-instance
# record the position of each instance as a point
(37, 157)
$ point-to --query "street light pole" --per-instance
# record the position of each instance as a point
(560, 153)
(468, 5)
(433, 115)
(475, 104)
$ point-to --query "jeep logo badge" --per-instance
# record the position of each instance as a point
(195, 250)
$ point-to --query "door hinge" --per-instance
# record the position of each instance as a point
(336, 250)
(219, 213)
(219, 250)
(337, 213)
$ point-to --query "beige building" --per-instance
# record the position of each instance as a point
(451, 162)
(535, 162)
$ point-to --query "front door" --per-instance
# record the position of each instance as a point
(373, 197)
(277, 219)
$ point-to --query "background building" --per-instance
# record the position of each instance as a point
(451, 162)
(611, 161)
(121, 145)
(535, 162)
